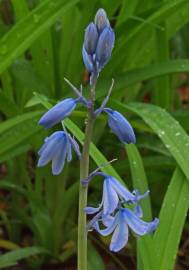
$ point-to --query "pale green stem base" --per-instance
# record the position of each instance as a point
(84, 172)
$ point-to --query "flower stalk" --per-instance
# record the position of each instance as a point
(83, 190)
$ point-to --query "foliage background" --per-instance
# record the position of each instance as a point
(40, 44)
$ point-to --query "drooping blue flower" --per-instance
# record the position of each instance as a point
(57, 148)
(119, 224)
(113, 193)
(59, 112)
(120, 126)
(98, 43)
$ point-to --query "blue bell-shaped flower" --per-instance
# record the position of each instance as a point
(120, 126)
(57, 113)
(57, 148)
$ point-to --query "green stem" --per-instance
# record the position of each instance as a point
(84, 172)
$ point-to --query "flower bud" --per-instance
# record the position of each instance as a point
(91, 38)
(105, 46)
(87, 59)
(120, 126)
(57, 113)
(101, 20)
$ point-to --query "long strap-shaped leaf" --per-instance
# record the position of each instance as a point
(167, 128)
(25, 32)
(144, 245)
(11, 258)
(172, 218)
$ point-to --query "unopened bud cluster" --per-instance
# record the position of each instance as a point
(98, 43)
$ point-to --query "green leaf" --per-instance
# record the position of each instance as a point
(27, 30)
(7, 106)
(140, 182)
(94, 259)
(12, 257)
(17, 130)
(145, 73)
(172, 217)
(167, 128)
(139, 178)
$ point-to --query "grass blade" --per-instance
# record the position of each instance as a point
(172, 218)
(27, 30)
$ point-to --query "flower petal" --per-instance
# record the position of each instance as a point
(120, 126)
(137, 225)
(87, 59)
(109, 229)
(107, 220)
(91, 210)
(138, 211)
(50, 148)
(59, 159)
(120, 236)
(57, 113)
(121, 190)
(110, 198)
(75, 146)
(69, 151)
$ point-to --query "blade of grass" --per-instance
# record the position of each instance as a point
(25, 32)
(140, 182)
(162, 91)
(166, 127)
(172, 217)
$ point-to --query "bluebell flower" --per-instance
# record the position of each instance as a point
(113, 193)
(98, 43)
(57, 148)
(120, 126)
(119, 225)
(59, 112)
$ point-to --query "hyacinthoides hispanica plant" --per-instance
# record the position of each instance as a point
(119, 208)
